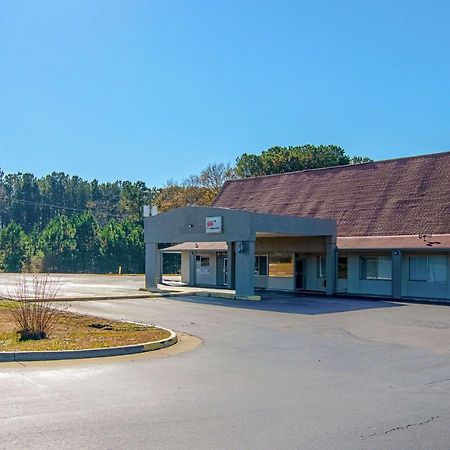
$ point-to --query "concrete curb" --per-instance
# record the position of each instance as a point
(205, 293)
(224, 295)
(52, 355)
(105, 297)
(152, 294)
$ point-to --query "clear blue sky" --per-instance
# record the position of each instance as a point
(154, 90)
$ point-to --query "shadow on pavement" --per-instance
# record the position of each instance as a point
(294, 303)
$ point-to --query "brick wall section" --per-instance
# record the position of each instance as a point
(403, 196)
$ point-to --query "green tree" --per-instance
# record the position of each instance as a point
(133, 197)
(113, 247)
(35, 256)
(13, 248)
(20, 200)
(58, 244)
(122, 244)
(134, 231)
(288, 159)
(87, 242)
(360, 160)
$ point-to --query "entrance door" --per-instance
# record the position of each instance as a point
(300, 273)
(221, 269)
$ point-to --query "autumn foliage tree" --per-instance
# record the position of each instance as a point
(197, 190)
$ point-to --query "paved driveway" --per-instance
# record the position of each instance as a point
(310, 373)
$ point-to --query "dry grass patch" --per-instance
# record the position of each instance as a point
(75, 331)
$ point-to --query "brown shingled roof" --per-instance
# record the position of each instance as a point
(403, 196)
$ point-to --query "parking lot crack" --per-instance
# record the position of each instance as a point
(405, 427)
(437, 381)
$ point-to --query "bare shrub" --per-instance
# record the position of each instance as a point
(36, 314)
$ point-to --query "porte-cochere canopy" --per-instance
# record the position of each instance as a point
(240, 230)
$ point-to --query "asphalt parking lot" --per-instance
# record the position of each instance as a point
(79, 285)
(307, 372)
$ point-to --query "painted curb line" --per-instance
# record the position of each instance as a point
(52, 355)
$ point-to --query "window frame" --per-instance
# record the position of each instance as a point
(282, 254)
(258, 265)
(423, 280)
(200, 260)
(428, 278)
(363, 267)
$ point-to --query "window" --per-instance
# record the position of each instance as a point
(203, 264)
(428, 268)
(342, 267)
(321, 266)
(260, 265)
(437, 268)
(375, 268)
(281, 265)
(418, 268)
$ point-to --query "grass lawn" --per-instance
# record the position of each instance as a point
(74, 331)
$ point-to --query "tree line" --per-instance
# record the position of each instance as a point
(62, 223)
(74, 244)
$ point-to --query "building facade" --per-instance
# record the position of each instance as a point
(391, 237)
(222, 247)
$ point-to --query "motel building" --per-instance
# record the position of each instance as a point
(378, 229)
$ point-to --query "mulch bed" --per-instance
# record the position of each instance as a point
(75, 331)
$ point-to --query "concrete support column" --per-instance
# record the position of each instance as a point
(152, 265)
(192, 268)
(245, 268)
(336, 268)
(396, 274)
(331, 265)
(231, 263)
(448, 276)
